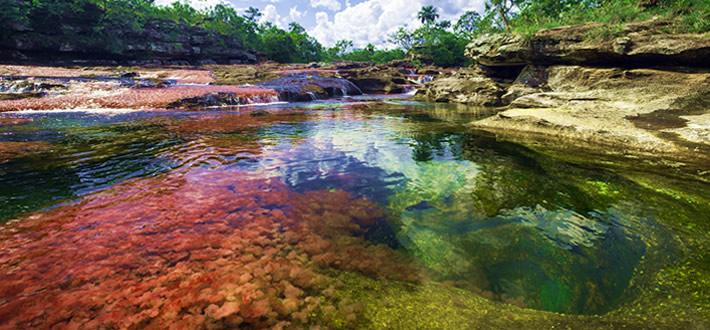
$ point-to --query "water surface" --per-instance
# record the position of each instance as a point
(257, 216)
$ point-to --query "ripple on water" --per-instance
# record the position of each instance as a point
(201, 198)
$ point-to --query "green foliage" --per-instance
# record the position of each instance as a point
(468, 23)
(277, 44)
(109, 24)
(437, 42)
(428, 14)
(371, 54)
(437, 45)
(526, 17)
(13, 15)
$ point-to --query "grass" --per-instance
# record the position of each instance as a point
(686, 16)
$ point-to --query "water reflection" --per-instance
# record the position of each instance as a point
(396, 192)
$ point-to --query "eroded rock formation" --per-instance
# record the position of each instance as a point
(76, 39)
(644, 93)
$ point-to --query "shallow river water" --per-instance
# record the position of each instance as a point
(341, 214)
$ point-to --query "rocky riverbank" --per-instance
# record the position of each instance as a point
(644, 94)
(25, 88)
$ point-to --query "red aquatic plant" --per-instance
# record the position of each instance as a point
(186, 250)
(181, 75)
(142, 98)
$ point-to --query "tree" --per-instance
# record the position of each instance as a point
(308, 49)
(277, 44)
(444, 25)
(502, 9)
(252, 14)
(402, 38)
(428, 14)
(343, 46)
(13, 16)
(296, 28)
(467, 24)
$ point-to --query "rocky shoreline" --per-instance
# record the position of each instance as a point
(192, 87)
(644, 95)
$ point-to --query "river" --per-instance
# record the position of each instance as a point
(365, 213)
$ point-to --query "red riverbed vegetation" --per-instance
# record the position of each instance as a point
(202, 249)
(182, 75)
(137, 98)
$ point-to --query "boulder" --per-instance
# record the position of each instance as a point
(310, 86)
(381, 79)
(469, 86)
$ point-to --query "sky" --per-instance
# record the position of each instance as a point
(362, 21)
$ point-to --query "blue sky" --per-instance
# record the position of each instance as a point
(362, 21)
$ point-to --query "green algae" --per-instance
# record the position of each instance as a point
(495, 225)
(432, 305)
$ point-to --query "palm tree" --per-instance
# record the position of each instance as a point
(428, 14)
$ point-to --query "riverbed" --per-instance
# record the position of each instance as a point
(351, 213)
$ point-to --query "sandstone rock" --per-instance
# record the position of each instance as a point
(158, 40)
(532, 79)
(468, 86)
(377, 79)
(310, 86)
(499, 50)
(649, 112)
(639, 44)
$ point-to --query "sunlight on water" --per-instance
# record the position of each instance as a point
(252, 217)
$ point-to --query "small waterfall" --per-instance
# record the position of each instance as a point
(423, 79)
(354, 87)
(312, 95)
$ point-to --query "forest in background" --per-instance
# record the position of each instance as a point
(439, 42)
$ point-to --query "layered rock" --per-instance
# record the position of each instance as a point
(643, 94)
(76, 39)
(393, 78)
(468, 86)
(310, 86)
(638, 45)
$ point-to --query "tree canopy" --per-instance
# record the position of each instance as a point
(437, 41)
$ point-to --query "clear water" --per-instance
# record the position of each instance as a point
(398, 191)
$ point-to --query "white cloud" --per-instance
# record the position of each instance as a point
(372, 21)
(271, 14)
(294, 14)
(333, 5)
